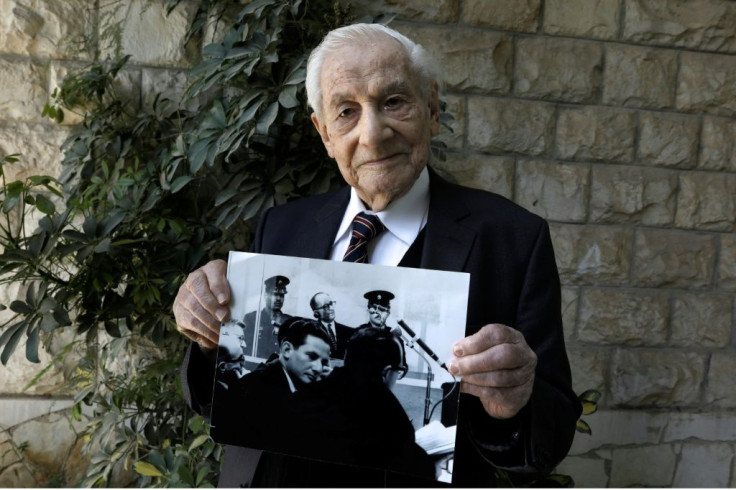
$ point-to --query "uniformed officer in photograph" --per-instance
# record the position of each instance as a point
(379, 308)
(271, 318)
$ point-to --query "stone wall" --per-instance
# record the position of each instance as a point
(613, 119)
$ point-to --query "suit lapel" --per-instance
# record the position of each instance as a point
(447, 241)
(316, 239)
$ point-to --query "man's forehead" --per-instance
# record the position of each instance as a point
(375, 69)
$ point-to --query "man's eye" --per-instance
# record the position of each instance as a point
(345, 113)
(393, 102)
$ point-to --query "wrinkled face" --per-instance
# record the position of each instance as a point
(324, 309)
(375, 122)
(274, 301)
(232, 339)
(377, 315)
(307, 362)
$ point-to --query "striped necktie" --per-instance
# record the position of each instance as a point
(365, 228)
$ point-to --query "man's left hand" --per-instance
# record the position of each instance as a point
(496, 365)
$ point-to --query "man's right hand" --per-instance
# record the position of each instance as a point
(201, 304)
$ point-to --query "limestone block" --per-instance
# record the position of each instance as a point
(727, 263)
(505, 125)
(673, 258)
(559, 69)
(150, 36)
(668, 140)
(646, 466)
(23, 90)
(48, 439)
(570, 300)
(596, 133)
(592, 254)
(20, 409)
(597, 19)
(707, 83)
(720, 390)
(589, 366)
(623, 317)
(699, 24)
(512, 15)
(620, 428)
(639, 77)
(437, 11)
(718, 144)
(457, 108)
(469, 60)
(19, 372)
(41, 28)
(587, 472)
(489, 173)
(707, 201)
(704, 466)
(77, 462)
(553, 190)
(626, 194)
(656, 378)
(17, 476)
(719, 426)
(702, 320)
(39, 146)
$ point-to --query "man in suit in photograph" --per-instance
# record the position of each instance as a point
(323, 308)
(246, 413)
(374, 93)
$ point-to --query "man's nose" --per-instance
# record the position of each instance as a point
(373, 128)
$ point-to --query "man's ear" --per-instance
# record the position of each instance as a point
(385, 374)
(316, 315)
(286, 349)
(434, 109)
(322, 130)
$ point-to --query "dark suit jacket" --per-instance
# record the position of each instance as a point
(513, 280)
(342, 335)
(353, 420)
(246, 412)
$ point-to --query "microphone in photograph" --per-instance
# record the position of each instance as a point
(421, 343)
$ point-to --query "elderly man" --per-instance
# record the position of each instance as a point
(375, 99)
(323, 308)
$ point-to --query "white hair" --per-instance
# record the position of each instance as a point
(419, 59)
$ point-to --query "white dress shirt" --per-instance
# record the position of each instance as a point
(404, 218)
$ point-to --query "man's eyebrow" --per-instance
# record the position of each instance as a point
(396, 86)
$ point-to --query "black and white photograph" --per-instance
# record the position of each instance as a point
(341, 362)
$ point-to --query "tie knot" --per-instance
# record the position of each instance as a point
(368, 225)
(365, 228)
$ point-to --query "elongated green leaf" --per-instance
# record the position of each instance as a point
(32, 346)
(198, 441)
(146, 469)
(12, 342)
(267, 118)
(21, 307)
(582, 426)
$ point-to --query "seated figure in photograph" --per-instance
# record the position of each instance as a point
(246, 413)
(352, 416)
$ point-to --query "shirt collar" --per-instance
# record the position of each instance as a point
(404, 218)
(292, 388)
